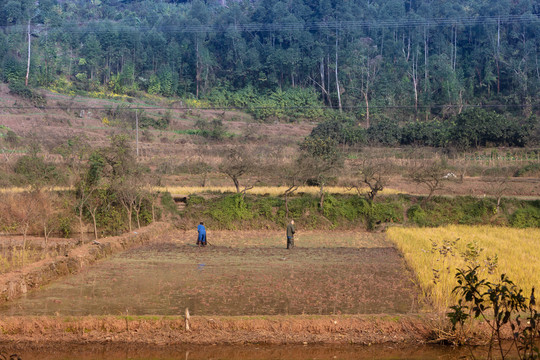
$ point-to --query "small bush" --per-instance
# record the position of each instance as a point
(230, 210)
(195, 200)
(211, 130)
(417, 215)
(526, 217)
(168, 203)
(64, 226)
(25, 92)
(531, 169)
(36, 171)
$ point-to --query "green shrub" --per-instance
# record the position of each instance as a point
(341, 129)
(111, 219)
(64, 226)
(229, 210)
(195, 200)
(168, 203)
(214, 129)
(146, 122)
(36, 171)
(476, 211)
(385, 132)
(526, 217)
(19, 89)
(427, 133)
(417, 215)
(386, 212)
(528, 170)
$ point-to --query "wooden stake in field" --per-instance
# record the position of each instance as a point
(187, 320)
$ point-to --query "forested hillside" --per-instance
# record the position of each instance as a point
(406, 59)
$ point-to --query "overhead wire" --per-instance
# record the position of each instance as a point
(244, 108)
(341, 25)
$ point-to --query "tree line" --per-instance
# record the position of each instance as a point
(411, 58)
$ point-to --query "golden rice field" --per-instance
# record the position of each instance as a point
(265, 190)
(518, 252)
(258, 190)
(11, 190)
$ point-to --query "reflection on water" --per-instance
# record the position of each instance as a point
(255, 352)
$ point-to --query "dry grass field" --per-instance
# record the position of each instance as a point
(433, 254)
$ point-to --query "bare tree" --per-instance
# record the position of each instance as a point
(371, 173)
(202, 169)
(295, 175)
(46, 211)
(92, 205)
(322, 160)
(498, 186)
(431, 174)
(128, 198)
(25, 211)
(237, 163)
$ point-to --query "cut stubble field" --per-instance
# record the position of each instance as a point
(241, 273)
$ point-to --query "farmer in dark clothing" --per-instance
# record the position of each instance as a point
(201, 240)
(290, 235)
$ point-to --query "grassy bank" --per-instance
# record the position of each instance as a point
(434, 254)
(347, 211)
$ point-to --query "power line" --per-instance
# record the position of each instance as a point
(294, 26)
(245, 108)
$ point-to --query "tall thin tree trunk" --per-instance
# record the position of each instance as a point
(366, 99)
(415, 81)
(498, 55)
(337, 78)
(426, 56)
(328, 78)
(81, 221)
(28, 62)
(93, 213)
(455, 48)
(321, 69)
(197, 68)
(321, 194)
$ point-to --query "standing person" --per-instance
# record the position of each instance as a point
(201, 239)
(290, 235)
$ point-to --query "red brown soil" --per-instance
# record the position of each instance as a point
(472, 186)
(217, 330)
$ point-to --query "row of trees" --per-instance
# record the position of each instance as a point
(358, 55)
(472, 128)
(320, 162)
(112, 190)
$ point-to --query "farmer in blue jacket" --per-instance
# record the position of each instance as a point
(201, 240)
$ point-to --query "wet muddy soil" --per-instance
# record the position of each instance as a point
(165, 278)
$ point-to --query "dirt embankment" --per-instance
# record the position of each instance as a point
(276, 330)
(14, 284)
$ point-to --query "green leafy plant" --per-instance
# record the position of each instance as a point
(498, 305)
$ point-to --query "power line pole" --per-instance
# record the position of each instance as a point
(137, 131)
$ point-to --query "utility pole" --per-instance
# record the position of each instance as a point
(28, 62)
(137, 131)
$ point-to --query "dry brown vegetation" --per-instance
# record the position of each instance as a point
(183, 159)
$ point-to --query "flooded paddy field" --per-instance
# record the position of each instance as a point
(240, 274)
(252, 352)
